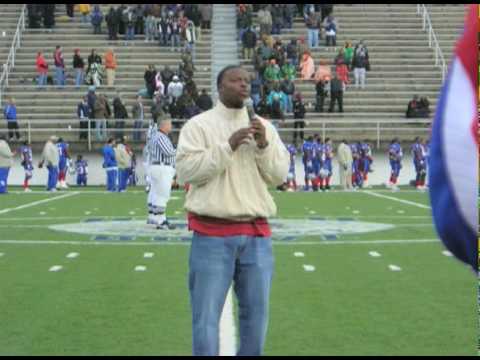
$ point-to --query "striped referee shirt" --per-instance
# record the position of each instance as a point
(160, 149)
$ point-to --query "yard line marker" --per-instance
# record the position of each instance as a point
(394, 268)
(227, 335)
(356, 212)
(4, 211)
(400, 212)
(55, 268)
(312, 212)
(140, 268)
(1, 254)
(396, 199)
(447, 253)
(374, 254)
(298, 254)
(309, 268)
(185, 243)
(131, 213)
(87, 212)
(72, 255)
(148, 255)
(42, 213)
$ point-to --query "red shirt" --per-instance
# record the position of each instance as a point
(210, 226)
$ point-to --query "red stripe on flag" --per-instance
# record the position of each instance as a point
(466, 49)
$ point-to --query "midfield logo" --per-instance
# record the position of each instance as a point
(124, 229)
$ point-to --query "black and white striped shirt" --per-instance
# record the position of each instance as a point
(160, 149)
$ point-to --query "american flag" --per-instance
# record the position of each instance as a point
(453, 174)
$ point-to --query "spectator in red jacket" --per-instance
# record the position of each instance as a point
(42, 70)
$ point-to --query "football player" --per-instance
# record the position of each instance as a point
(291, 177)
(81, 168)
(307, 150)
(62, 147)
(395, 155)
(420, 163)
(27, 164)
(366, 161)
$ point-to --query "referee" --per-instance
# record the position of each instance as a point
(161, 170)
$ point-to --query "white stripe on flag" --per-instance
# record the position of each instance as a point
(459, 146)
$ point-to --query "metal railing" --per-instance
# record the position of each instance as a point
(432, 39)
(375, 129)
(9, 65)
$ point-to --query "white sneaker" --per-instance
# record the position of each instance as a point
(28, 190)
(395, 188)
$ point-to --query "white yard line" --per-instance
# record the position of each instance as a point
(185, 243)
(35, 203)
(228, 342)
(397, 199)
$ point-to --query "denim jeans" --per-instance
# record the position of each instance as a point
(101, 125)
(312, 38)
(79, 76)
(130, 33)
(52, 177)
(174, 40)
(112, 174)
(214, 263)
(60, 76)
(137, 133)
(42, 80)
(122, 179)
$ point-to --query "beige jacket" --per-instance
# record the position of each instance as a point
(6, 155)
(344, 155)
(50, 154)
(226, 184)
(122, 156)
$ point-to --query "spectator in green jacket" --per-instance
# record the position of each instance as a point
(288, 70)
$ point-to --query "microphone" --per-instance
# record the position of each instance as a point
(251, 111)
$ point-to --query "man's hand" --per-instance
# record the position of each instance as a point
(259, 133)
(239, 137)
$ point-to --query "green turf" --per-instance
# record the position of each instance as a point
(352, 304)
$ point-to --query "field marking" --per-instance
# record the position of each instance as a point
(299, 254)
(447, 253)
(374, 254)
(394, 268)
(72, 255)
(356, 217)
(35, 203)
(397, 199)
(227, 329)
(148, 255)
(140, 268)
(55, 268)
(308, 268)
(185, 243)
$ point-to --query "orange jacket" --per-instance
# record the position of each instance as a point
(110, 60)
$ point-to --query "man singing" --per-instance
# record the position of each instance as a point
(229, 162)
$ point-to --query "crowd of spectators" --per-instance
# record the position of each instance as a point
(278, 65)
(170, 90)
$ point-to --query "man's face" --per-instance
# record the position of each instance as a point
(235, 87)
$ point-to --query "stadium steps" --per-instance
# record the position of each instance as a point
(61, 104)
(224, 46)
(10, 14)
(401, 61)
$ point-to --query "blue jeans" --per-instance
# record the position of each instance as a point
(42, 80)
(289, 106)
(3, 179)
(101, 125)
(112, 179)
(137, 133)
(60, 76)
(214, 263)
(122, 179)
(174, 40)
(130, 33)
(79, 76)
(52, 177)
(312, 38)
